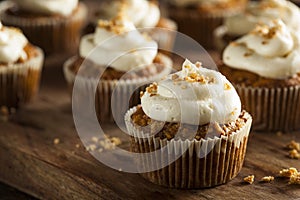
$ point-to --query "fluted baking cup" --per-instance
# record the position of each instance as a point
(201, 164)
(273, 109)
(120, 90)
(54, 34)
(19, 82)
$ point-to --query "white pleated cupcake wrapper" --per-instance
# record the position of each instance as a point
(222, 161)
(122, 91)
(275, 109)
(200, 26)
(55, 35)
(19, 83)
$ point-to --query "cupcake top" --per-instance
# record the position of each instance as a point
(48, 7)
(270, 50)
(194, 95)
(12, 43)
(142, 13)
(119, 45)
(264, 12)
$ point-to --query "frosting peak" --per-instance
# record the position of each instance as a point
(48, 7)
(119, 45)
(194, 95)
(12, 43)
(270, 50)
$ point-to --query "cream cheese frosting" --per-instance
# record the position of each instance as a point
(118, 44)
(194, 95)
(12, 43)
(270, 50)
(142, 13)
(264, 12)
(48, 7)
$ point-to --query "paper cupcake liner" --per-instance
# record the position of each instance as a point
(200, 26)
(120, 90)
(55, 35)
(19, 82)
(222, 158)
(273, 109)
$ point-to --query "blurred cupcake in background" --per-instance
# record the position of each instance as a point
(190, 129)
(20, 68)
(199, 18)
(257, 12)
(264, 67)
(53, 25)
(143, 14)
(126, 58)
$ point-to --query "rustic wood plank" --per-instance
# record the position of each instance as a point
(33, 164)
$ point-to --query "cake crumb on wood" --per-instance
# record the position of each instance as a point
(267, 179)
(249, 179)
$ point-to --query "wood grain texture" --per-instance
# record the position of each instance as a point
(31, 162)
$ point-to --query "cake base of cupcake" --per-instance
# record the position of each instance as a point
(19, 82)
(200, 164)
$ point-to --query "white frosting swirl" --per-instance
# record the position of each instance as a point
(12, 43)
(141, 12)
(271, 51)
(183, 3)
(119, 45)
(264, 12)
(48, 7)
(194, 95)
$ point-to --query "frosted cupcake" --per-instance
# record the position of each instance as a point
(257, 12)
(143, 14)
(264, 66)
(20, 68)
(53, 25)
(192, 117)
(125, 57)
(199, 18)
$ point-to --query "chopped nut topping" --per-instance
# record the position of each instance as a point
(288, 172)
(267, 179)
(294, 154)
(152, 89)
(249, 179)
(56, 141)
(294, 145)
(227, 86)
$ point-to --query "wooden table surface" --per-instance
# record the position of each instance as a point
(33, 164)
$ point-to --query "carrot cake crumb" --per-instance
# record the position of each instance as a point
(56, 141)
(294, 154)
(288, 172)
(249, 179)
(267, 179)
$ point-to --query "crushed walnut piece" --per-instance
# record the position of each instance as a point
(152, 89)
(294, 154)
(249, 179)
(293, 145)
(295, 179)
(267, 179)
(288, 172)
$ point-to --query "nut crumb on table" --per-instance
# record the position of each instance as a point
(249, 179)
(267, 179)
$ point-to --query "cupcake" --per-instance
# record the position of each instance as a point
(20, 68)
(257, 12)
(126, 60)
(189, 129)
(264, 67)
(199, 18)
(55, 26)
(144, 14)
